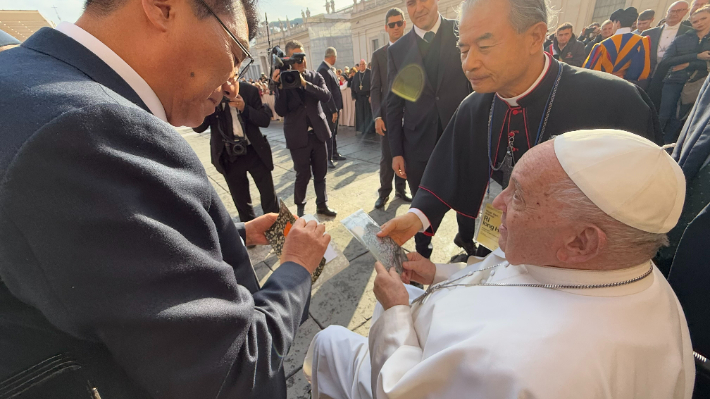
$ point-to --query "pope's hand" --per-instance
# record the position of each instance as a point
(401, 228)
(305, 244)
(255, 229)
(419, 269)
(389, 289)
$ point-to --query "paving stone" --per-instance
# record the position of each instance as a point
(294, 360)
(298, 387)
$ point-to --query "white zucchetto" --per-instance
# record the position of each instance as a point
(627, 176)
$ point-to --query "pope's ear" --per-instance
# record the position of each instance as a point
(583, 246)
(158, 12)
(537, 34)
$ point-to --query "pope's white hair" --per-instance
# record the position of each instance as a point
(523, 13)
(623, 240)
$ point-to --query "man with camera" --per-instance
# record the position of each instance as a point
(237, 147)
(299, 94)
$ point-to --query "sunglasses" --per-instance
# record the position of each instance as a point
(397, 24)
(247, 55)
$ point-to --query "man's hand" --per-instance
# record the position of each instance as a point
(681, 66)
(255, 229)
(401, 228)
(704, 56)
(276, 77)
(238, 103)
(303, 80)
(335, 117)
(389, 289)
(380, 127)
(305, 244)
(419, 269)
(398, 166)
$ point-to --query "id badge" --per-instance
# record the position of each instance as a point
(488, 224)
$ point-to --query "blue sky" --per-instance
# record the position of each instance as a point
(70, 10)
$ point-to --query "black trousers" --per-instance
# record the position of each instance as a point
(387, 173)
(333, 142)
(313, 157)
(236, 177)
(415, 171)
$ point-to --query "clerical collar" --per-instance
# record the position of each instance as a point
(621, 31)
(556, 275)
(513, 101)
(420, 32)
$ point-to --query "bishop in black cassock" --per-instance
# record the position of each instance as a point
(470, 150)
(360, 88)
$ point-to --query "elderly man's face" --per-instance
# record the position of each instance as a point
(676, 12)
(531, 230)
(607, 30)
(203, 57)
(494, 56)
(362, 65)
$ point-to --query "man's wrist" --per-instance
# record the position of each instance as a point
(422, 218)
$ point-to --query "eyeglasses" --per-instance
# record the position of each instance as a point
(677, 11)
(396, 23)
(247, 55)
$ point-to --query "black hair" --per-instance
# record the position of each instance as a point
(625, 17)
(292, 45)
(218, 6)
(393, 12)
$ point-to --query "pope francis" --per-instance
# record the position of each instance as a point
(573, 307)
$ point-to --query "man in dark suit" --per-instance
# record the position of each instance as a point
(394, 26)
(234, 125)
(306, 130)
(334, 105)
(122, 274)
(673, 28)
(414, 127)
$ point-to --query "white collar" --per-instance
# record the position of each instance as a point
(622, 31)
(137, 83)
(327, 63)
(391, 43)
(420, 32)
(513, 101)
(674, 27)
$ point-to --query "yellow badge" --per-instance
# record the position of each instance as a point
(488, 233)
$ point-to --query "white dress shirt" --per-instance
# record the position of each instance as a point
(667, 35)
(137, 83)
(420, 32)
(621, 31)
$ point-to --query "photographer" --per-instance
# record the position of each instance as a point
(237, 147)
(305, 125)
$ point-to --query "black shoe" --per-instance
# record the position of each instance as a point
(469, 247)
(338, 157)
(403, 196)
(462, 257)
(300, 210)
(324, 210)
(331, 165)
(380, 203)
(251, 246)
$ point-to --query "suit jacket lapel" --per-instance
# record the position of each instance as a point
(415, 56)
(60, 46)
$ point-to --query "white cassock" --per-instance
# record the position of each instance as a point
(629, 341)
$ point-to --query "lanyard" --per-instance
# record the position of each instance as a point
(540, 129)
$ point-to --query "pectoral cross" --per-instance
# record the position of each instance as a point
(359, 75)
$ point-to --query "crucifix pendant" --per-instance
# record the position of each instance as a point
(360, 86)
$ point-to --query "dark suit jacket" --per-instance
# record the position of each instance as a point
(254, 116)
(335, 104)
(655, 35)
(298, 108)
(114, 246)
(379, 87)
(416, 137)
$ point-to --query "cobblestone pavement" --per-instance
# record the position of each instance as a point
(343, 293)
